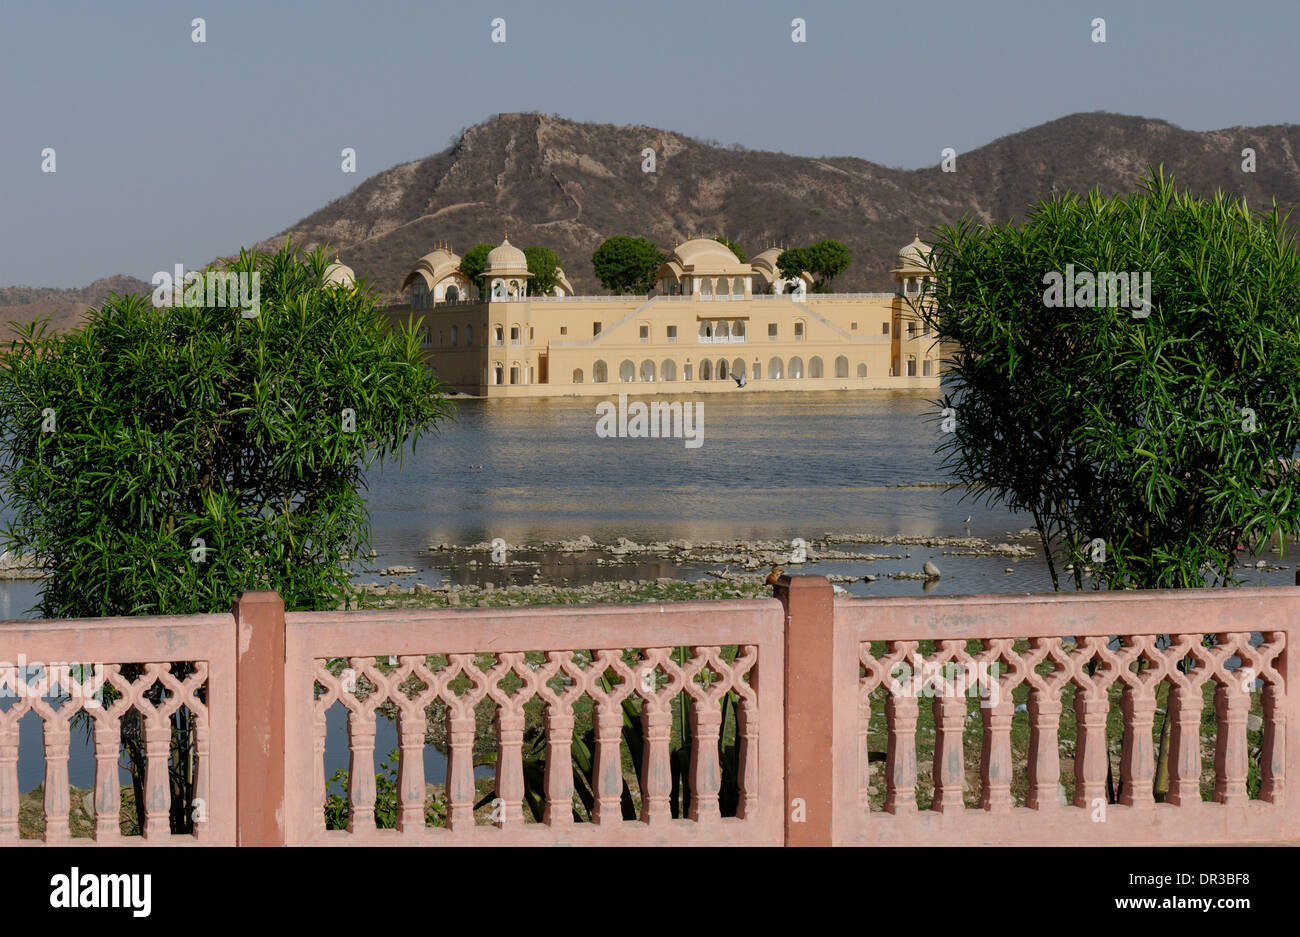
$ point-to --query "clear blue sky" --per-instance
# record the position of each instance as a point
(169, 151)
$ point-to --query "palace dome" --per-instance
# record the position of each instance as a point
(914, 256)
(434, 267)
(705, 256)
(341, 274)
(506, 260)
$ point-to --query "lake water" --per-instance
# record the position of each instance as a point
(771, 466)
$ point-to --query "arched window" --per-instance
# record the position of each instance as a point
(419, 295)
(627, 372)
(706, 370)
(841, 366)
(911, 365)
(469, 336)
(686, 372)
(648, 371)
(514, 334)
(862, 370)
(577, 375)
(668, 370)
(514, 372)
(758, 370)
(738, 368)
(454, 336)
(738, 330)
(498, 335)
(514, 288)
(722, 369)
(498, 373)
(722, 331)
(453, 294)
(498, 289)
(706, 289)
(775, 370)
(796, 367)
(599, 373)
(798, 330)
(738, 287)
(706, 330)
(815, 367)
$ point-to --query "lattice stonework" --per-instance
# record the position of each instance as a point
(156, 694)
(1093, 665)
(559, 681)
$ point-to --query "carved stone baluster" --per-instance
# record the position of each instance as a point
(58, 739)
(901, 711)
(460, 771)
(410, 771)
(1044, 710)
(747, 739)
(995, 754)
(864, 752)
(9, 778)
(656, 780)
(199, 805)
(559, 764)
(706, 780)
(318, 726)
(949, 764)
(108, 797)
(510, 767)
(1137, 758)
(1091, 706)
(157, 786)
(1185, 706)
(1231, 706)
(1272, 759)
(361, 768)
(609, 763)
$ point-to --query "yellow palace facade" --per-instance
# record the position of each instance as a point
(712, 324)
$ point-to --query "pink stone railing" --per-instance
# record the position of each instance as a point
(1100, 645)
(828, 721)
(113, 647)
(482, 653)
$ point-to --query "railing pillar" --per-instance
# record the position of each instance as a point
(259, 719)
(809, 708)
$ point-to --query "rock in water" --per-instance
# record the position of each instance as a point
(930, 569)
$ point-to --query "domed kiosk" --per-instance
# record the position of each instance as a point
(506, 272)
(338, 274)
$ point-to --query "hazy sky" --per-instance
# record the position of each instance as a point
(170, 151)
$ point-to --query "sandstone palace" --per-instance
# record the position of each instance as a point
(712, 323)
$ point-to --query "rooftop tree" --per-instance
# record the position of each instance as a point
(544, 265)
(824, 261)
(627, 264)
(473, 263)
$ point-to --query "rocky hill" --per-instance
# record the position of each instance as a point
(65, 308)
(569, 185)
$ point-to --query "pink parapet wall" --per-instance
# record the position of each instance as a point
(809, 675)
(1072, 635)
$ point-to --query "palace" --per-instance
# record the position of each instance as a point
(712, 323)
